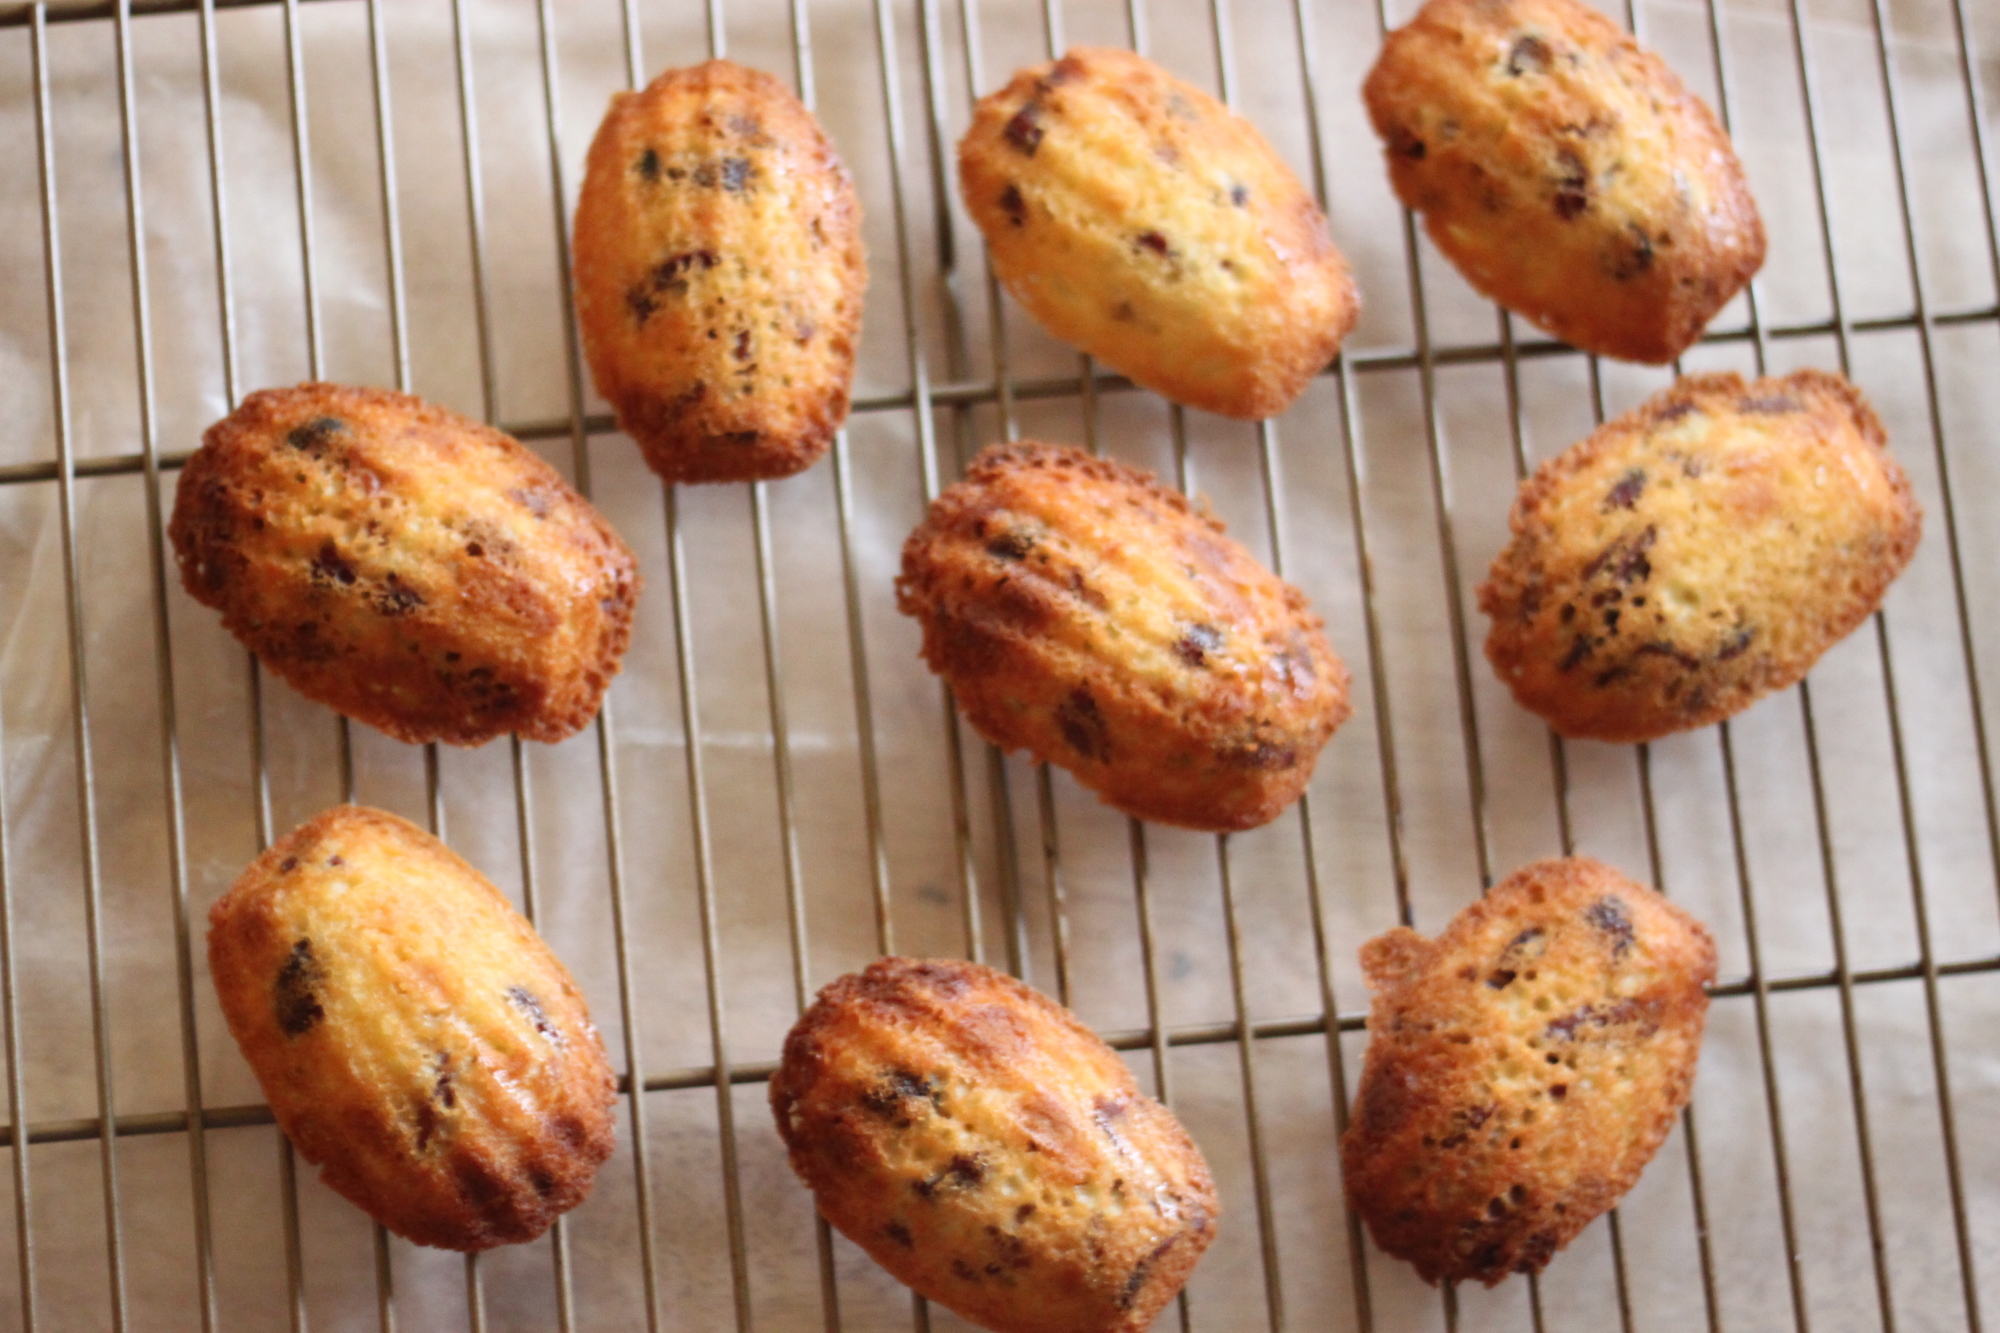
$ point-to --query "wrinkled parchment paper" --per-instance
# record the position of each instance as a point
(1441, 782)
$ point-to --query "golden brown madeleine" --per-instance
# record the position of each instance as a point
(1566, 171)
(719, 273)
(1696, 554)
(411, 568)
(1140, 219)
(989, 1151)
(1523, 1067)
(1084, 612)
(416, 1039)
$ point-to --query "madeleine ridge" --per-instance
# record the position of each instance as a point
(415, 1038)
(719, 274)
(1566, 171)
(1696, 554)
(1146, 223)
(989, 1151)
(406, 566)
(1085, 613)
(1523, 1067)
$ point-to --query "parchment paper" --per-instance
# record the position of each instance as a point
(1795, 1068)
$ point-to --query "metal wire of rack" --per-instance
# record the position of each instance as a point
(1223, 965)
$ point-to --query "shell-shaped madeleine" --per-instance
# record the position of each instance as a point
(1566, 171)
(409, 567)
(1696, 554)
(719, 273)
(990, 1151)
(1084, 612)
(415, 1038)
(1523, 1067)
(1141, 220)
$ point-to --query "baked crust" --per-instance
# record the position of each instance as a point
(990, 1151)
(719, 274)
(1696, 554)
(1085, 613)
(1140, 219)
(1523, 1067)
(404, 565)
(1566, 171)
(415, 1038)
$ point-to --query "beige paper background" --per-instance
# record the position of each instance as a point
(1801, 1051)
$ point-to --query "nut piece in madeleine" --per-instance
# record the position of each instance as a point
(416, 1039)
(1566, 172)
(1141, 220)
(408, 567)
(990, 1151)
(719, 273)
(1696, 554)
(1523, 1067)
(1084, 612)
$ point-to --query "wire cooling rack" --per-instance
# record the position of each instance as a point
(207, 198)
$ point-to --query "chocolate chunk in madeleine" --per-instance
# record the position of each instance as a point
(1140, 219)
(1523, 1067)
(719, 274)
(1566, 171)
(410, 568)
(1086, 613)
(295, 997)
(415, 1038)
(1696, 554)
(990, 1151)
